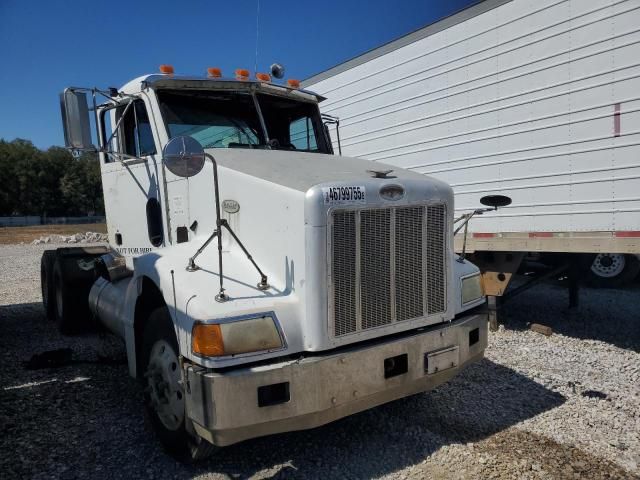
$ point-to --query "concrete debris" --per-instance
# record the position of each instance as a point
(88, 237)
(543, 329)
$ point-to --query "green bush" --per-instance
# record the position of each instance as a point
(48, 183)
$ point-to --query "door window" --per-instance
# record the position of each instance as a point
(137, 135)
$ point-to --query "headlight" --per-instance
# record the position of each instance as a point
(236, 337)
(471, 288)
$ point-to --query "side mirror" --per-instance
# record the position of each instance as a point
(75, 120)
(495, 201)
(183, 156)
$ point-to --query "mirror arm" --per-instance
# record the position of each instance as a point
(467, 217)
(221, 222)
(493, 202)
(263, 285)
(123, 157)
(115, 129)
(221, 297)
(331, 120)
(192, 267)
(95, 117)
(464, 242)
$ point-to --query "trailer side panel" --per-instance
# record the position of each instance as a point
(537, 100)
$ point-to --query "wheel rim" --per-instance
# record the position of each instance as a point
(608, 265)
(164, 385)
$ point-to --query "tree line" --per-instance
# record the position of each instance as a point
(48, 182)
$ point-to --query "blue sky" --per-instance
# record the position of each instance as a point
(46, 45)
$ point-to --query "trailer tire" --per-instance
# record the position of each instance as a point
(164, 391)
(47, 287)
(612, 270)
(70, 305)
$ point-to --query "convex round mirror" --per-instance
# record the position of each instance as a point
(277, 70)
(183, 156)
(495, 201)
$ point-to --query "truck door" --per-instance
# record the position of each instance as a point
(132, 182)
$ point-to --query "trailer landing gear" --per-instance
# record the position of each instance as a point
(498, 268)
(571, 269)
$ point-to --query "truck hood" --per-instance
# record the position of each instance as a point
(300, 170)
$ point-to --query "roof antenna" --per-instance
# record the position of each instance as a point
(255, 67)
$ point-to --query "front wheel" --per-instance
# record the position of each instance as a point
(164, 392)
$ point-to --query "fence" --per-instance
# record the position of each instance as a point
(20, 221)
(37, 220)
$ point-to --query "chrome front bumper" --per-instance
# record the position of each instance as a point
(313, 391)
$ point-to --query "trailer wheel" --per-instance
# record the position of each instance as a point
(47, 284)
(164, 392)
(612, 270)
(70, 303)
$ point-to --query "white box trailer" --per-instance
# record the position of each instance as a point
(537, 100)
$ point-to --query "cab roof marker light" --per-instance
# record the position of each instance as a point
(242, 74)
(263, 77)
(293, 83)
(166, 69)
(214, 72)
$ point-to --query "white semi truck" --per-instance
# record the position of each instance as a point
(261, 284)
(534, 99)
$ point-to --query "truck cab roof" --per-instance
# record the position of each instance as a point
(159, 80)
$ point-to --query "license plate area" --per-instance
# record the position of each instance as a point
(440, 360)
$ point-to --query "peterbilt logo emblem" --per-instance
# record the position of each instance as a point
(230, 206)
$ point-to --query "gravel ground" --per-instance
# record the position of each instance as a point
(564, 406)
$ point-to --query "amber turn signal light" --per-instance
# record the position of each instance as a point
(206, 340)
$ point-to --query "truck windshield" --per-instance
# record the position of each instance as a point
(219, 119)
(216, 120)
(292, 124)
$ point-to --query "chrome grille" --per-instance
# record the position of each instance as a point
(435, 259)
(344, 271)
(386, 265)
(375, 267)
(408, 255)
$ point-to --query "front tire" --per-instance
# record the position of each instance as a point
(164, 393)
